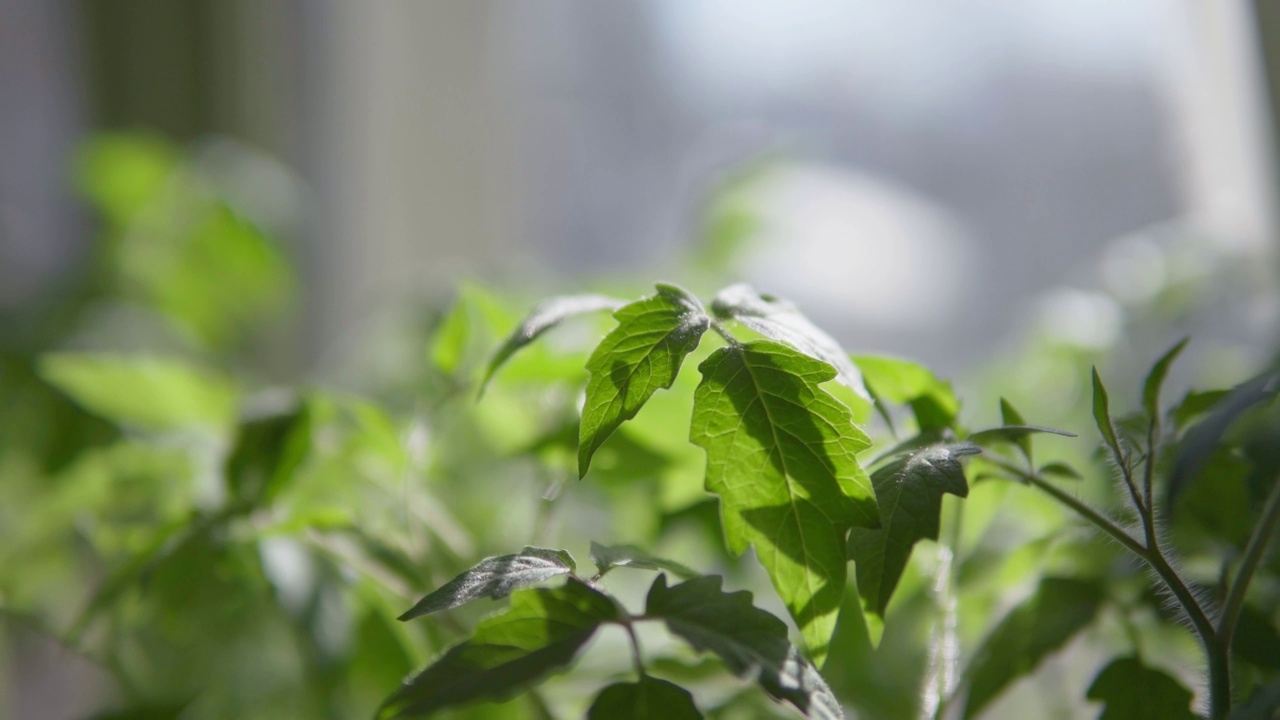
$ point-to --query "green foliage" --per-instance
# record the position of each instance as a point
(782, 456)
(642, 355)
(495, 577)
(542, 318)
(630, 556)
(1133, 691)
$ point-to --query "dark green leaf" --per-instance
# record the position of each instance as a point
(541, 632)
(781, 454)
(606, 558)
(1263, 704)
(1102, 415)
(1198, 444)
(266, 453)
(1256, 639)
(1155, 378)
(1014, 434)
(649, 699)
(751, 642)
(909, 492)
(144, 712)
(1194, 404)
(932, 400)
(495, 577)
(148, 392)
(1060, 608)
(641, 355)
(780, 320)
(1133, 691)
(1059, 469)
(546, 315)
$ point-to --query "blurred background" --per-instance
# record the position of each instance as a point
(978, 186)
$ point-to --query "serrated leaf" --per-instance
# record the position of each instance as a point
(780, 320)
(641, 355)
(1133, 691)
(142, 391)
(1155, 378)
(546, 315)
(1060, 608)
(609, 557)
(751, 642)
(541, 632)
(1102, 415)
(931, 399)
(909, 491)
(495, 577)
(781, 454)
(649, 699)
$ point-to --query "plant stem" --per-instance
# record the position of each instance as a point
(636, 659)
(1253, 552)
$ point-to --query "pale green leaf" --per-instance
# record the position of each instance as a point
(1133, 691)
(449, 340)
(495, 577)
(781, 454)
(546, 315)
(640, 356)
(780, 320)
(649, 699)
(931, 400)
(152, 393)
(1155, 378)
(752, 643)
(909, 492)
(542, 631)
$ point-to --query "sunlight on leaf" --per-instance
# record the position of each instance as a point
(495, 577)
(608, 557)
(781, 454)
(547, 315)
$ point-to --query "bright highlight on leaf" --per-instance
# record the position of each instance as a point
(751, 642)
(649, 699)
(909, 491)
(641, 355)
(545, 316)
(495, 577)
(780, 320)
(1133, 691)
(781, 454)
(541, 632)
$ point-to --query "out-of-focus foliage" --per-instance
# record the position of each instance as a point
(217, 546)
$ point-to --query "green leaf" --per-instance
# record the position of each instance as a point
(1059, 469)
(147, 392)
(909, 491)
(781, 454)
(543, 317)
(1194, 404)
(267, 451)
(541, 631)
(1018, 435)
(449, 340)
(780, 320)
(1263, 704)
(1155, 378)
(1102, 415)
(932, 400)
(751, 642)
(641, 355)
(495, 577)
(1256, 639)
(607, 558)
(1060, 608)
(1010, 417)
(1133, 691)
(649, 699)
